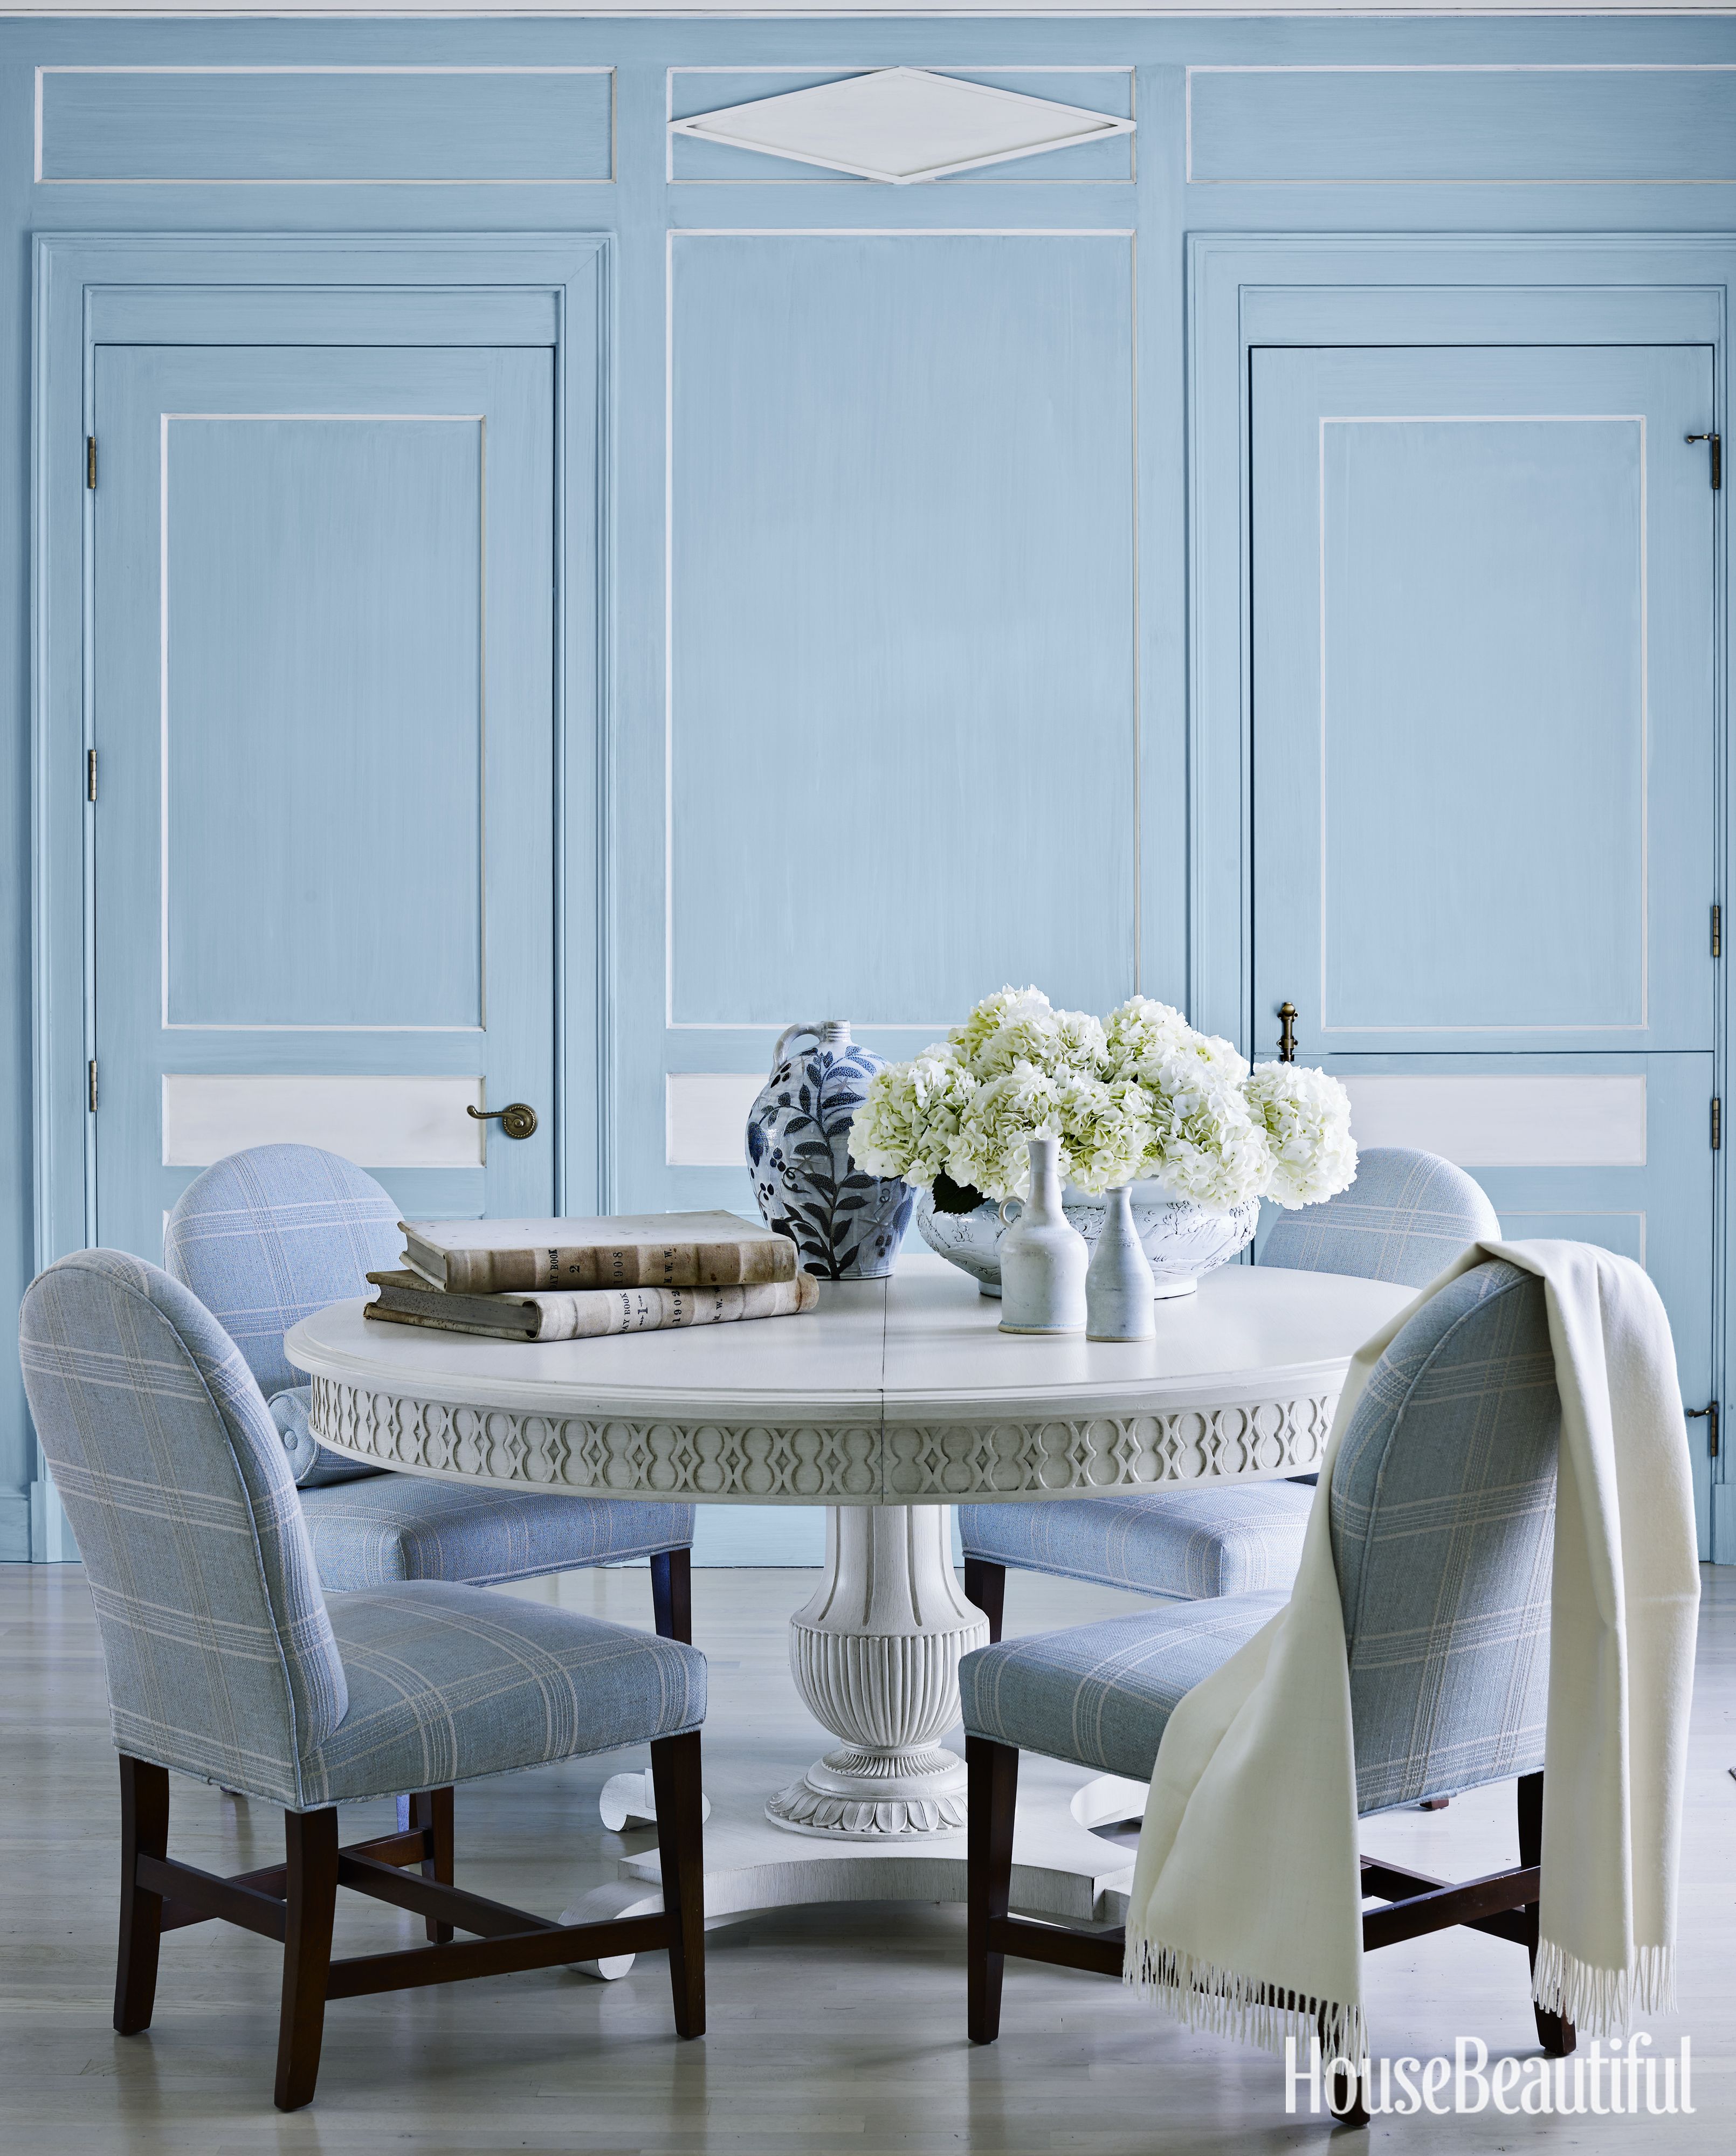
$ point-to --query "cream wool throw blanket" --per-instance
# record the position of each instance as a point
(1245, 1916)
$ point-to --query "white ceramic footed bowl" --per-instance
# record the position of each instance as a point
(1181, 1238)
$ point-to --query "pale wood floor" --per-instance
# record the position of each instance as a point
(829, 2029)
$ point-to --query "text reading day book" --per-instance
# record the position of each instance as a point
(404, 1298)
(632, 1249)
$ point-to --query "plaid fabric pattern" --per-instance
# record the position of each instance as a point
(220, 1658)
(268, 1236)
(1101, 1694)
(265, 1238)
(1443, 1501)
(1442, 1517)
(1191, 1544)
(1405, 1218)
(449, 1682)
(408, 1526)
(223, 1659)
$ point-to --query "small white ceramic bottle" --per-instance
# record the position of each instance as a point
(1119, 1286)
(1043, 1256)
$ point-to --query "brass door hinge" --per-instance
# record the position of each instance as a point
(1718, 1117)
(89, 775)
(90, 462)
(1718, 458)
(1710, 1412)
(91, 1076)
(1717, 931)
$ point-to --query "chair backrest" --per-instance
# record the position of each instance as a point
(268, 1236)
(219, 1655)
(1443, 1500)
(1405, 1218)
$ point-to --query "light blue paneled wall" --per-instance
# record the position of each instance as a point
(899, 652)
(903, 611)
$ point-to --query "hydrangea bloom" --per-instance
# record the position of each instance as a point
(1106, 1130)
(1004, 1114)
(1205, 1144)
(1080, 1043)
(1306, 1116)
(909, 1119)
(1139, 1030)
(968, 1041)
(1028, 1036)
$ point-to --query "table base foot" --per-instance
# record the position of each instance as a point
(627, 1800)
(1060, 1870)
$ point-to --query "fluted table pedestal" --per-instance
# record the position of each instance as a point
(874, 1654)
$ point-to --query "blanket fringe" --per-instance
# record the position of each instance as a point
(1247, 2009)
(1599, 2002)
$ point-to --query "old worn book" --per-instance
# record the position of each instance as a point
(592, 1313)
(631, 1250)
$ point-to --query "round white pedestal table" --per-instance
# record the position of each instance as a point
(891, 1402)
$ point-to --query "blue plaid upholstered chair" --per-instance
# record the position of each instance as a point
(268, 1236)
(226, 1661)
(1404, 1218)
(1442, 1510)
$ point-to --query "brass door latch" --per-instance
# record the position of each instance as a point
(1286, 1039)
(518, 1120)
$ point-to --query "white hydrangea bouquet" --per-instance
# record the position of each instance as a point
(1139, 1096)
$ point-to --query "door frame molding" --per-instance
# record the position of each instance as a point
(1245, 289)
(553, 289)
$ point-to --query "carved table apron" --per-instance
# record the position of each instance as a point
(895, 1401)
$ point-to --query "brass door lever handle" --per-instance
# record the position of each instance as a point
(518, 1120)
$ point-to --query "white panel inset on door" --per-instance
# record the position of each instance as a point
(376, 1122)
(705, 1116)
(1521, 1121)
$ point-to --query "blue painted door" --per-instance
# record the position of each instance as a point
(322, 710)
(1484, 775)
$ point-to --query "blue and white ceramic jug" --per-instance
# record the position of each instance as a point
(846, 1224)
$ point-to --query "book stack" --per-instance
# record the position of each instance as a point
(586, 1280)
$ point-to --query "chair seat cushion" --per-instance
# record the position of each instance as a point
(393, 1527)
(1192, 1543)
(450, 1682)
(1101, 1694)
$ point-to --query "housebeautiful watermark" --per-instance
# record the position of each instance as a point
(1626, 2077)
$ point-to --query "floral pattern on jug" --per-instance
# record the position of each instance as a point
(846, 1224)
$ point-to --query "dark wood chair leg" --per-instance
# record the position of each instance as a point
(144, 1832)
(993, 1796)
(1557, 2035)
(311, 1892)
(433, 1808)
(680, 1852)
(986, 1585)
(672, 1594)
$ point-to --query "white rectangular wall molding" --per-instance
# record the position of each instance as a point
(376, 1122)
(1533, 1121)
(705, 1116)
(1583, 124)
(324, 125)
